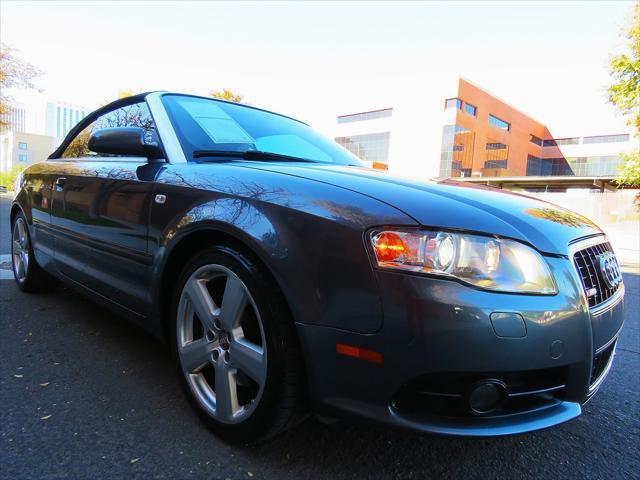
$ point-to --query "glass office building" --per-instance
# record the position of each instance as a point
(367, 135)
(485, 137)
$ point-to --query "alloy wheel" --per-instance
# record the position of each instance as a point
(20, 250)
(221, 343)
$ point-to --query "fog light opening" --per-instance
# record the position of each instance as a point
(487, 396)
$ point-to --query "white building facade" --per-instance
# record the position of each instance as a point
(20, 149)
(16, 117)
(61, 117)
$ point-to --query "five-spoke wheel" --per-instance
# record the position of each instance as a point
(29, 276)
(20, 250)
(235, 344)
(221, 344)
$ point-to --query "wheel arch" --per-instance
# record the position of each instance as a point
(15, 208)
(20, 204)
(186, 245)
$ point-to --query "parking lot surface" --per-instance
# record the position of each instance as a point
(84, 394)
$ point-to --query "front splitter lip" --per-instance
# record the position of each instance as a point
(490, 426)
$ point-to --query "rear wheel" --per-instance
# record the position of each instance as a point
(29, 276)
(235, 345)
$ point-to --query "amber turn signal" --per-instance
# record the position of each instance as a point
(389, 246)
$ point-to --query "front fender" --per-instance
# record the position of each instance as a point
(309, 235)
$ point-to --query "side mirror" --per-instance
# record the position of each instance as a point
(128, 141)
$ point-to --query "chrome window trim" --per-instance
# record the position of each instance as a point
(170, 141)
(99, 159)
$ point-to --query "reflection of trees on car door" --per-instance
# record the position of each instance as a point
(101, 212)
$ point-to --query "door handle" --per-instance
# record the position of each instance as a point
(60, 181)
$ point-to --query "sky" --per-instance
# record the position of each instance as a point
(315, 61)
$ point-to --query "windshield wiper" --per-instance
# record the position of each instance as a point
(250, 155)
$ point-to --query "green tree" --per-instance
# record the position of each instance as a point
(14, 72)
(629, 172)
(7, 178)
(227, 94)
(624, 93)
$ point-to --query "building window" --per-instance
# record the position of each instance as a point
(501, 124)
(567, 141)
(555, 142)
(456, 153)
(607, 138)
(359, 117)
(22, 145)
(497, 154)
(537, 166)
(58, 123)
(496, 146)
(470, 109)
(453, 103)
(536, 140)
(22, 157)
(495, 164)
(465, 172)
(372, 147)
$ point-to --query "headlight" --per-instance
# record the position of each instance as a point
(485, 262)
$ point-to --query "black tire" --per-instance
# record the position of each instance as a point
(34, 279)
(283, 400)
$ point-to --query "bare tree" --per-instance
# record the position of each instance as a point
(14, 72)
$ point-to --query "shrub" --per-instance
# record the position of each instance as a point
(7, 178)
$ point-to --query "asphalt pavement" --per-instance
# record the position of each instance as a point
(84, 394)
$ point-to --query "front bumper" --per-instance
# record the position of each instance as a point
(438, 339)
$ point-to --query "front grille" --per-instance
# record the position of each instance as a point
(600, 362)
(586, 261)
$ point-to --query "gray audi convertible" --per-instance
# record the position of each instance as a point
(288, 278)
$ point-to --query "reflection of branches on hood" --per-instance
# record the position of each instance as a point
(177, 178)
(559, 216)
(234, 210)
(117, 173)
(344, 213)
(233, 186)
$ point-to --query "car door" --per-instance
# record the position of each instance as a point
(37, 186)
(99, 211)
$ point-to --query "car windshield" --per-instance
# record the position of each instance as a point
(210, 126)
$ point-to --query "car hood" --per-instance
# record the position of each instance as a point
(456, 205)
